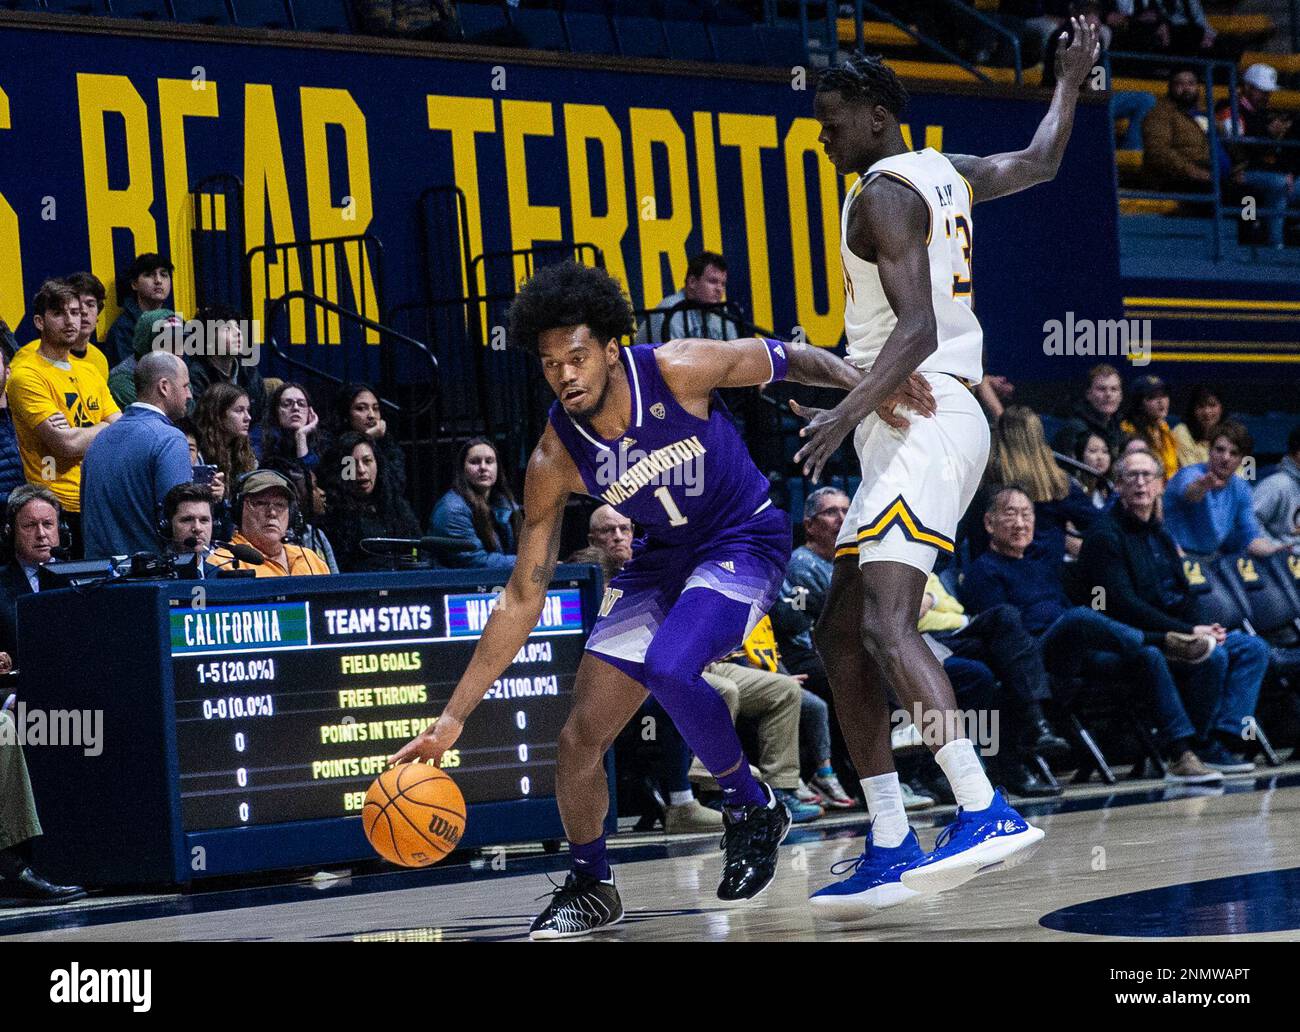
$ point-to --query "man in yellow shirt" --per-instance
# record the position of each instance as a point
(58, 405)
(90, 291)
(264, 513)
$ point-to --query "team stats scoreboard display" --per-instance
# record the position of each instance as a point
(287, 709)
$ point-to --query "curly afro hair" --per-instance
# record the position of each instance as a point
(569, 294)
(865, 80)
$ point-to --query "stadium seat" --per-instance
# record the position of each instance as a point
(480, 19)
(20, 5)
(321, 15)
(783, 46)
(688, 38)
(541, 28)
(736, 44)
(589, 32)
(99, 7)
(149, 10)
(639, 36)
(1219, 598)
(202, 12)
(262, 14)
(1274, 612)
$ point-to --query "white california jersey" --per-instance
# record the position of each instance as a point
(868, 319)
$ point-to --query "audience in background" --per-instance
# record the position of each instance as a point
(311, 507)
(1096, 412)
(1132, 557)
(264, 510)
(157, 329)
(291, 429)
(1162, 27)
(58, 405)
(1148, 407)
(226, 358)
(1209, 510)
(90, 292)
(222, 417)
(188, 522)
(361, 502)
(356, 407)
(1091, 450)
(706, 285)
(1277, 498)
(144, 287)
(1202, 413)
(131, 466)
(479, 509)
(1175, 148)
(11, 459)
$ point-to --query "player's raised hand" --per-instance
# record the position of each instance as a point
(825, 430)
(432, 743)
(1073, 63)
(914, 394)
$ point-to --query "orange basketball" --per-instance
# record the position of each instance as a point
(414, 815)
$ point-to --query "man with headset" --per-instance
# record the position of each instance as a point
(185, 523)
(32, 529)
(265, 510)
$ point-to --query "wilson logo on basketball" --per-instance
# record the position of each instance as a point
(444, 829)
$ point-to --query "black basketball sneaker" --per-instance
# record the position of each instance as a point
(580, 906)
(751, 843)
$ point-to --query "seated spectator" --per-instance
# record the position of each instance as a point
(153, 331)
(1163, 27)
(222, 418)
(1277, 498)
(361, 503)
(1132, 557)
(1203, 412)
(609, 536)
(1019, 455)
(91, 293)
(1208, 510)
(311, 504)
(1091, 450)
(144, 287)
(1264, 172)
(20, 885)
(697, 310)
(1133, 105)
(31, 533)
(1148, 407)
(130, 467)
(479, 509)
(1096, 412)
(187, 515)
(11, 459)
(356, 407)
(58, 406)
(997, 638)
(264, 512)
(227, 358)
(1175, 149)
(291, 429)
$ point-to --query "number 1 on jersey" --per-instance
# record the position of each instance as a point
(675, 517)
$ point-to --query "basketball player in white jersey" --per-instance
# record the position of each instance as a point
(906, 249)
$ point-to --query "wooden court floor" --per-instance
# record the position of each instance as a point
(1141, 861)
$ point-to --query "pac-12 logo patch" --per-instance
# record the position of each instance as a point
(657, 410)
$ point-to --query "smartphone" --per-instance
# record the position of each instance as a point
(204, 474)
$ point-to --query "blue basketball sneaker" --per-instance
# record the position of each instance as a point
(873, 886)
(977, 842)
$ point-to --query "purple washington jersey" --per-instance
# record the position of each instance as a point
(683, 479)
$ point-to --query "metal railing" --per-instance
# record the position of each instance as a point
(1214, 71)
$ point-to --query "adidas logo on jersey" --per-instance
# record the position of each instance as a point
(728, 565)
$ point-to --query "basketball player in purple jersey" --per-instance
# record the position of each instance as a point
(642, 429)
(906, 247)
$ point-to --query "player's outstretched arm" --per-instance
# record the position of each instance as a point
(1000, 174)
(893, 225)
(550, 479)
(696, 366)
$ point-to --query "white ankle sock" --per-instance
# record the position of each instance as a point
(681, 798)
(885, 808)
(961, 766)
